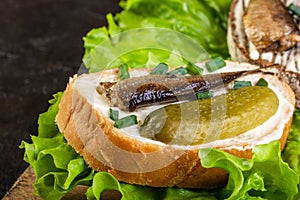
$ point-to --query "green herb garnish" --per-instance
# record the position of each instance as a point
(215, 64)
(294, 9)
(123, 72)
(262, 82)
(193, 69)
(113, 114)
(179, 71)
(126, 121)
(240, 84)
(161, 68)
(205, 95)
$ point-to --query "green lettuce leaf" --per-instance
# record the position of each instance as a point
(57, 167)
(291, 153)
(105, 182)
(195, 29)
(46, 121)
(265, 176)
(194, 18)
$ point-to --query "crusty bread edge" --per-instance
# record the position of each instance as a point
(237, 52)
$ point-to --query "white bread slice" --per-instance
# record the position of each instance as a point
(83, 120)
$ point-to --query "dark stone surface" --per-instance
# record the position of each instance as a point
(40, 47)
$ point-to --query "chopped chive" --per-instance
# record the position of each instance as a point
(179, 71)
(126, 121)
(262, 82)
(294, 9)
(240, 84)
(161, 68)
(193, 69)
(215, 64)
(205, 95)
(123, 72)
(113, 114)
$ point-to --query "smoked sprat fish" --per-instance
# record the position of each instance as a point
(136, 92)
(269, 26)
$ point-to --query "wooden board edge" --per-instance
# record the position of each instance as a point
(23, 187)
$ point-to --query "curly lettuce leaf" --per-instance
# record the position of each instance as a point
(196, 19)
(291, 153)
(202, 22)
(46, 121)
(105, 182)
(57, 167)
(265, 176)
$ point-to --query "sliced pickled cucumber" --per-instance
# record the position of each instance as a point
(220, 117)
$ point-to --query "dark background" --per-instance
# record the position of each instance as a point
(40, 47)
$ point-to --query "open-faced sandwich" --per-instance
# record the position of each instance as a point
(161, 124)
(140, 127)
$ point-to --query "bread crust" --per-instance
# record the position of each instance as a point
(90, 133)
